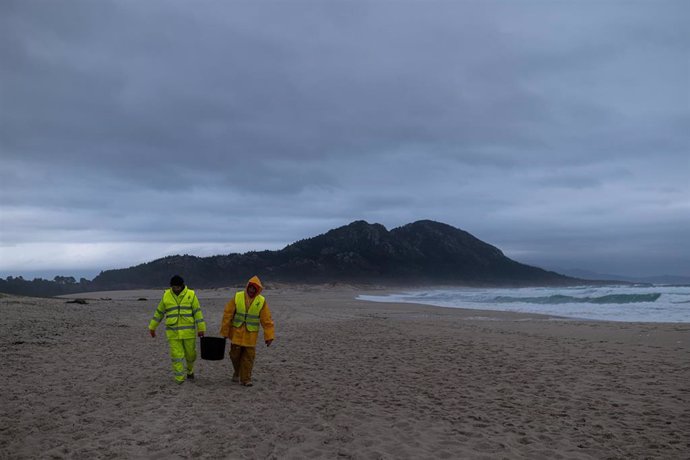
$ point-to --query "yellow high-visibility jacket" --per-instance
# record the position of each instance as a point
(182, 313)
(250, 316)
(241, 335)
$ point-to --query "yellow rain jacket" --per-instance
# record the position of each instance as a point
(182, 313)
(241, 335)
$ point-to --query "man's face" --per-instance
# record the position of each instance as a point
(177, 289)
(251, 290)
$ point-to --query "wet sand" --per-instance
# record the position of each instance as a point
(344, 379)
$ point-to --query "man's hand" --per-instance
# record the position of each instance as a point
(200, 333)
(269, 342)
(152, 332)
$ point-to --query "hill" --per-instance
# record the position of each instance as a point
(421, 252)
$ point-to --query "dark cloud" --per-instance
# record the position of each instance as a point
(173, 126)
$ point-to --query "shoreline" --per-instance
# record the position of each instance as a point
(356, 290)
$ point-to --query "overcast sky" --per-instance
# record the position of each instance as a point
(554, 130)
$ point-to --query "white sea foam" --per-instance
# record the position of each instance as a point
(607, 303)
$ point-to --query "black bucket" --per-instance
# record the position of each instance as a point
(212, 348)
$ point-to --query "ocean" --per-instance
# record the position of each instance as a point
(635, 303)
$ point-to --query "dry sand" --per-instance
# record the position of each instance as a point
(345, 378)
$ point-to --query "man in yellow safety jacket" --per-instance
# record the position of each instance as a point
(243, 314)
(183, 322)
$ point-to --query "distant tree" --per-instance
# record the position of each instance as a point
(64, 280)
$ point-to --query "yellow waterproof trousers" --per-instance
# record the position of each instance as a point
(182, 350)
(242, 362)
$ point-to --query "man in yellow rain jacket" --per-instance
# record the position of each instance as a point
(241, 319)
(183, 322)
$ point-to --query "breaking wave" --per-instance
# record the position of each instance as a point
(559, 299)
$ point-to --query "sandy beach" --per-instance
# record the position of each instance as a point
(344, 379)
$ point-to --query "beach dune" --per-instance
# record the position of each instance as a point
(344, 379)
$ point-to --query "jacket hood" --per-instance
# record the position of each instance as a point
(256, 282)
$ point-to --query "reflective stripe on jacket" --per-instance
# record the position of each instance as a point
(182, 313)
(249, 317)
